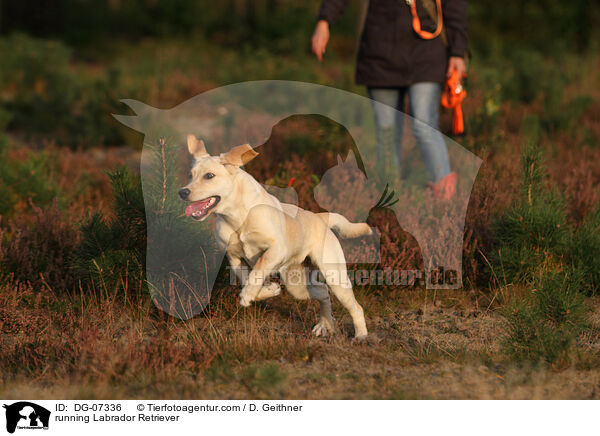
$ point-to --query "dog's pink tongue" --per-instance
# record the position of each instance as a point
(195, 207)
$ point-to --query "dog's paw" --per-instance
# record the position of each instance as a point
(271, 290)
(323, 328)
(245, 301)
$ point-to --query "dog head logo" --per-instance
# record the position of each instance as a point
(183, 259)
(26, 415)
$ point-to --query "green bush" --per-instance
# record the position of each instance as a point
(277, 25)
(537, 247)
(112, 252)
(36, 83)
(544, 326)
(266, 378)
(525, 75)
(550, 27)
(21, 180)
(483, 121)
(585, 248)
(41, 94)
(149, 247)
(532, 235)
(524, 80)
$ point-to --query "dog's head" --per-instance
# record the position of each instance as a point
(212, 177)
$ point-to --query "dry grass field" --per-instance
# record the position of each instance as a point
(423, 345)
(522, 327)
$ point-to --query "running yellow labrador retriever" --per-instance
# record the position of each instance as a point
(270, 236)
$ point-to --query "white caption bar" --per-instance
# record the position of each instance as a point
(150, 417)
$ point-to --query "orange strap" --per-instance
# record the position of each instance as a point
(416, 23)
(452, 97)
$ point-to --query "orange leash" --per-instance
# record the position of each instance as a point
(416, 23)
(454, 93)
(452, 98)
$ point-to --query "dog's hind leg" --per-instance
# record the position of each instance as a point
(326, 322)
(331, 261)
(295, 278)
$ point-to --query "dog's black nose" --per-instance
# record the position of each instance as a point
(184, 193)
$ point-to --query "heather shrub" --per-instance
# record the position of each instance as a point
(22, 179)
(39, 251)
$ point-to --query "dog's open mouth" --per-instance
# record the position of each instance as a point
(200, 209)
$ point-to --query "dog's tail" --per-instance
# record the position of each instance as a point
(343, 227)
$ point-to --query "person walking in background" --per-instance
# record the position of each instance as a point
(407, 48)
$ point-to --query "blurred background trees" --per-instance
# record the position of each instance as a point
(66, 63)
(548, 26)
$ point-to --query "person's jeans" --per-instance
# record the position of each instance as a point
(424, 101)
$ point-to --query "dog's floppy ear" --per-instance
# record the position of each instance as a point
(238, 156)
(195, 147)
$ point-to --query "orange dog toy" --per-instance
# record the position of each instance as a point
(453, 95)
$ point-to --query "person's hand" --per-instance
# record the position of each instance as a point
(457, 63)
(320, 38)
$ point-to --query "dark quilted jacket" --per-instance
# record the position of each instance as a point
(391, 54)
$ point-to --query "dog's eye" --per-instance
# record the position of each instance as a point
(190, 176)
(209, 175)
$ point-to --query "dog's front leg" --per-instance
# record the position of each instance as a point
(263, 268)
(237, 266)
(267, 291)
